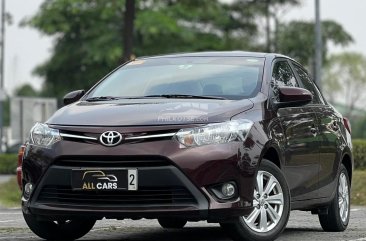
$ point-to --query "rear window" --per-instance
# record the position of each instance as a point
(228, 77)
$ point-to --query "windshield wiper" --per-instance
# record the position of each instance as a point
(102, 98)
(172, 96)
(182, 96)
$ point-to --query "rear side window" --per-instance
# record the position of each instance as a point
(282, 75)
(309, 85)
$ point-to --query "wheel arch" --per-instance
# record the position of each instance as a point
(272, 152)
(347, 162)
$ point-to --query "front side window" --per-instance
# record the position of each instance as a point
(227, 77)
(282, 75)
(309, 85)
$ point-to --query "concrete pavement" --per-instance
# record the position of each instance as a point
(302, 226)
(5, 178)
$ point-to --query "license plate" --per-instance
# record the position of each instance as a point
(104, 179)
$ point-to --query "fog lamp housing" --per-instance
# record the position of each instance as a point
(28, 188)
(225, 191)
(228, 190)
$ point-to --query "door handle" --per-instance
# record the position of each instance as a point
(313, 130)
(335, 125)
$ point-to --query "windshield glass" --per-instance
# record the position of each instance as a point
(227, 77)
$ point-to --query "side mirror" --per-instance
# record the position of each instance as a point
(73, 96)
(293, 96)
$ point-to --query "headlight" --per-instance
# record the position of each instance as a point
(44, 136)
(225, 132)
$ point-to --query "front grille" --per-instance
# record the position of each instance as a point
(159, 196)
(89, 163)
(128, 137)
(94, 161)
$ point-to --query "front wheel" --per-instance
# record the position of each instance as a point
(337, 217)
(60, 229)
(271, 201)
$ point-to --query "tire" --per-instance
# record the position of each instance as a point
(172, 223)
(56, 230)
(267, 203)
(334, 221)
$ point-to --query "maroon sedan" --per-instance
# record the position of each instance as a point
(235, 138)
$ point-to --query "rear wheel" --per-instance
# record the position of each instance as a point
(336, 220)
(59, 230)
(271, 201)
(172, 223)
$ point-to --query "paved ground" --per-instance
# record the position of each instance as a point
(302, 227)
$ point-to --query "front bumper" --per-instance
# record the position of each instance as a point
(173, 181)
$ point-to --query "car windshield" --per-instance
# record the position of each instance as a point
(183, 77)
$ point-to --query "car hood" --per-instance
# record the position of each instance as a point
(148, 112)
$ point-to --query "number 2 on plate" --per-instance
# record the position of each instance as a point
(132, 180)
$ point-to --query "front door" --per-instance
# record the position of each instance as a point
(301, 150)
(328, 122)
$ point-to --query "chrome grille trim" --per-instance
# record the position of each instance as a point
(127, 138)
(149, 136)
(78, 136)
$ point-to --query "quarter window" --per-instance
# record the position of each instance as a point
(309, 85)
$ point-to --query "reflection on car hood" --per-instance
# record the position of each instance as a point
(148, 112)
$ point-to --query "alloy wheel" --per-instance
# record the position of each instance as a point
(268, 202)
(343, 197)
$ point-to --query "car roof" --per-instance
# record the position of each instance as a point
(219, 54)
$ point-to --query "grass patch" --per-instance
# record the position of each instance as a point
(359, 153)
(358, 194)
(11, 230)
(8, 163)
(10, 194)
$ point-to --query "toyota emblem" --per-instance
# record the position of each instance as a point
(110, 138)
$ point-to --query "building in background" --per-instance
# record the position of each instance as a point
(24, 113)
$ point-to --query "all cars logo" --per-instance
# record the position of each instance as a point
(98, 180)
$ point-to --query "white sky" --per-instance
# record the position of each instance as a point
(26, 48)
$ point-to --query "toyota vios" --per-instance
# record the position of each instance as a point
(235, 138)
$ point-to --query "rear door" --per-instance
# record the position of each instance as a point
(301, 160)
(329, 135)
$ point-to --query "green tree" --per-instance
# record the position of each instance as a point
(296, 39)
(26, 90)
(271, 10)
(345, 80)
(359, 127)
(87, 44)
(129, 18)
(88, 35)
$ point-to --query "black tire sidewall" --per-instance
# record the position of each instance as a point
(51, 231)
(331, 221)
(172, 223)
